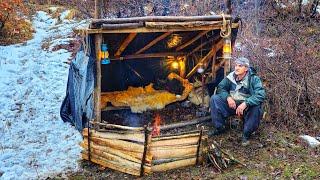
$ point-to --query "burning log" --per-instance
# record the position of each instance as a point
(173, 165)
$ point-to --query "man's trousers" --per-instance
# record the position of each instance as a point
(220, 111)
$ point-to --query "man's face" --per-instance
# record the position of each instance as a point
(240, 69)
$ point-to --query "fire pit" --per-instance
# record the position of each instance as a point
(159, 144)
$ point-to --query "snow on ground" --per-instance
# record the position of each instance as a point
(34, 142)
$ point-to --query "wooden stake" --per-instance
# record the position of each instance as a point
(153, 42)
(97, 11)
(97, 89)
(125, 43)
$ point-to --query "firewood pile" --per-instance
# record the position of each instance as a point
(136, 151)
(220, 159)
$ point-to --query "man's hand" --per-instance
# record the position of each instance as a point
(241, 108)
(232, 104)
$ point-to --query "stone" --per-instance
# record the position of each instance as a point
(310, 141)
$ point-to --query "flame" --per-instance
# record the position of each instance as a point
(156, 126)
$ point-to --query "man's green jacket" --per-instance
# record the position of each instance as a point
(254, 88)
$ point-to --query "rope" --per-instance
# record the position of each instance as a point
(225, 30)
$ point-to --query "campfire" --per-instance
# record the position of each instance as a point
(156, 126)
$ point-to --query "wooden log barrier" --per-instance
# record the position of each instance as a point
(135, 152)
(173, 151)
(132, 136)
(173, 165)
(132, 156)
(176, 142)
(115, 165)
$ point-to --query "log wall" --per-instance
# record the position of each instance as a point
(136, 152)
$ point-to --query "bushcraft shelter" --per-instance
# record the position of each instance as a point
(118, 64)
(141, 51)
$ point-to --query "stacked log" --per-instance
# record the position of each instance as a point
(176, 151)
(122, 150)
(135, 152)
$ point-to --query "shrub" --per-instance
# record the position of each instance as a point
(13, 27)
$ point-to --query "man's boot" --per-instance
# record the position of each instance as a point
(216, 131)
(245, 140)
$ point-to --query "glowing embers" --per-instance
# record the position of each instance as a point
(174, 40)
(156, 126)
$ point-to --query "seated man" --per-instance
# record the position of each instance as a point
(240, 93)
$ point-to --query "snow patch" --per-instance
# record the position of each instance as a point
(34, 142)
(64, 14)
(305, 2)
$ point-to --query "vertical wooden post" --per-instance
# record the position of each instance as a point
(228, 6)
(97, 89)
(97, 11)
(227, 61)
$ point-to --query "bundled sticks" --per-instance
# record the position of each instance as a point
(220, 159)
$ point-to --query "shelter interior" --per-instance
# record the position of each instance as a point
(144, 50)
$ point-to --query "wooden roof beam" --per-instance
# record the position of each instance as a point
(151, 30)
(150, 55)
(192, 40)
(206, 59)
(125, 43)
(211, 40)
(153, 42)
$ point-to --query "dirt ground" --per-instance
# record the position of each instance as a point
(272, 154)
